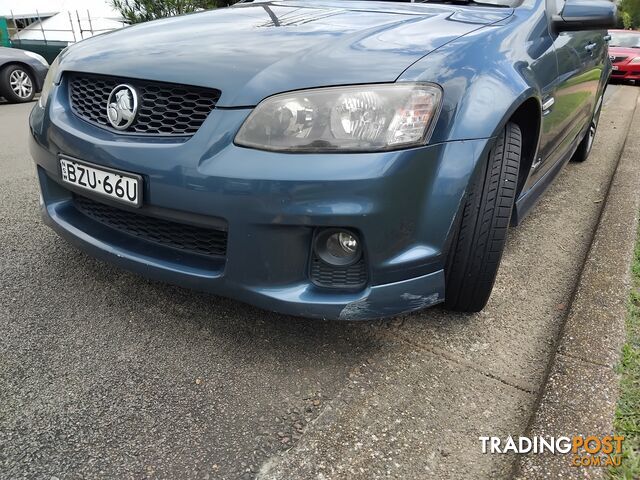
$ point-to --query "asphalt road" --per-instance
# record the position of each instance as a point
(104, 374)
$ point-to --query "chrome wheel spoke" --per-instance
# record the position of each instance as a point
(20, 83)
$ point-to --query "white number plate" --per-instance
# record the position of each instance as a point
(615, 67)
(116, 185)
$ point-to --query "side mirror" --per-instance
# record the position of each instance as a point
(586, 15)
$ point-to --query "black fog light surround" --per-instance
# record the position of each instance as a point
(338, 247)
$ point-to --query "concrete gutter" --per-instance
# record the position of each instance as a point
(582, 387)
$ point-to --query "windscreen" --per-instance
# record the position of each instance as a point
(623, 39)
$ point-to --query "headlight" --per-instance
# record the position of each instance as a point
(49, 80)
(363, 118)
(37, 57)
(635, 60)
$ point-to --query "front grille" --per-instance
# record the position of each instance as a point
(164, 109)
(188, 238)
(330, 276)
(618, 59)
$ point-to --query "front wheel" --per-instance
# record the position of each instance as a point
(477, 247)
(17, 84)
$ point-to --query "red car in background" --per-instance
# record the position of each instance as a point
(624, 51)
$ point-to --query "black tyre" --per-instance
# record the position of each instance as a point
(477, 248)
(584, 149)
(17, 84)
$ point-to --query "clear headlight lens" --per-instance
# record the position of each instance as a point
(361, 118)
(49, 80)
(635, 61)
(37, 57)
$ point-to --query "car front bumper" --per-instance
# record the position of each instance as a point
(626, 71)
(402, 204)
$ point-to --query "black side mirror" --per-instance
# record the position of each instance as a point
(586, 15)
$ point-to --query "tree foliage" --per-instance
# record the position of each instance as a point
(629, 13)
(137, 11)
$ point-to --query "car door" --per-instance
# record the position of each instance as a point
(568, 109)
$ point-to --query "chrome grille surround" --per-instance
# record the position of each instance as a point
(165, 109)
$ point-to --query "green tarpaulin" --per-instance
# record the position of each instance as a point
(4, 33)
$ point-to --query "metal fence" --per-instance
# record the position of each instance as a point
(48, 41)
(85, 25)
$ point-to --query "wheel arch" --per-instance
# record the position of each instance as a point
(528, 116)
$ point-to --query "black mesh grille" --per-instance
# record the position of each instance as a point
(164, 109)
(330, 276)
(188, 238)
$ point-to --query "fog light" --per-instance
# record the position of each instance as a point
(338, 247)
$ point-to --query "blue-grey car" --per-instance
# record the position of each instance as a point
(326, 159)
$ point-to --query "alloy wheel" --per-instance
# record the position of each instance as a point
(21, 84)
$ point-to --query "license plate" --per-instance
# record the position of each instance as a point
(116, 185)
(615, 67)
